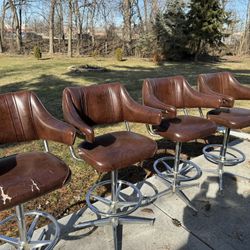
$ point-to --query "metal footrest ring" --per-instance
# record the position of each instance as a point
(233, 155)
(34, 241)
(125, 204)
(188, 170)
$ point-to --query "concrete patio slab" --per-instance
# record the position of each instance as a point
(223, 221)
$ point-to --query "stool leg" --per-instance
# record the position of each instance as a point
(115, 222)
(21, 226)
(223, 152)
(176, 164)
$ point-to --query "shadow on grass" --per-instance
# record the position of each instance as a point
(132, 77)
(49, 89)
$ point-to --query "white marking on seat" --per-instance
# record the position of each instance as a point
(34, 185)
(5, 197)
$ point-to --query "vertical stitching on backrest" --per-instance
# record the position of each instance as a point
(183, 104)
(19, 118)
(31, 114)
(85, 107)
(6, 101)
(82, 109)
(112, 102)
(121, 100)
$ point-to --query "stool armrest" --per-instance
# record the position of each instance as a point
(135, 112)
(48, 127)
(71, 116)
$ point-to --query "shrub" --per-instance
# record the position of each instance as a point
(119, 54)
(37, 52)
(157, 58)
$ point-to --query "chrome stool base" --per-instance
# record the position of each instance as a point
(115, 210)
(27, 239)
(233, 155)
(173, 176)
(223, 155)
(123, 205)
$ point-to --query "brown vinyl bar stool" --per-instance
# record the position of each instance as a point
(86, 107)
(170, 94)
(26, 176)
(223, 85)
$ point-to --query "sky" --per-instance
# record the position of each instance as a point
(237, 6)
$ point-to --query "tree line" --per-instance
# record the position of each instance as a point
(164, 29)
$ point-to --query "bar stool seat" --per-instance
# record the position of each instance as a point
(233, 118)
(170, 94)
(184, 128)
(26, 176)
(86, 107)
(127, 147)
(225, 86)
(19, 181)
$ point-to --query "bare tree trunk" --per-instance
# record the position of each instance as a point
(155, 9)
(92, 22)
(244, 42)
(51, 26)
(79, 27)
(198, 51)
(127, 32)
(2, 20)
(61, 26)
(70, 29)
(16, 23)
(1, 44)
(20, 22)
(145, 15)
(139, 15)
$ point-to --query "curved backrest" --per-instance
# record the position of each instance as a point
(17, 122)
(97, 104)
(174, 90)
(24, 118)
(223, 83)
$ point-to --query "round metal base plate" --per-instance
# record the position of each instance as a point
(188, 170)
(126, 203)
(233, 155)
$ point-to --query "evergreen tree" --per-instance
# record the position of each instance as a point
(170, 30)
(206, 25)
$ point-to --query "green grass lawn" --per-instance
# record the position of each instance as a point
(49, 76)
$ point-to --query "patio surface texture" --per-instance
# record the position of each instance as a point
(223, 220)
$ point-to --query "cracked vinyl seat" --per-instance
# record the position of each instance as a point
(20, 181)
(26, 176)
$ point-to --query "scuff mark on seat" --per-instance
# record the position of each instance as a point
(34, 185)
(5, 197)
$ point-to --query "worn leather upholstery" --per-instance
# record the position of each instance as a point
(234, 118)
(170, 93)
(26, 176)
(85, 107)
(225, 85)
(24, 118)
(175, 92)
(117, 150)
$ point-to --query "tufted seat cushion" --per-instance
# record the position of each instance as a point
(234, 118)
(185, 128)
(26, 176)
(117, 150)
